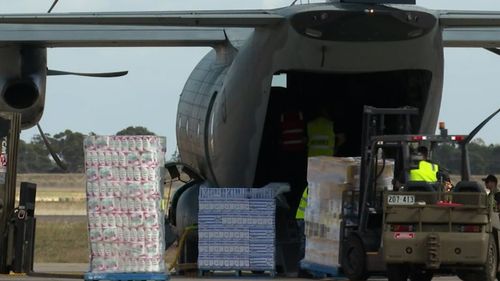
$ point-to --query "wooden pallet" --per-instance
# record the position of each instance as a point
(236, 272)
(322, 271)
(91, 276)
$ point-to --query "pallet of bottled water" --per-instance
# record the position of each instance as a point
(124, 205)
(236, 228)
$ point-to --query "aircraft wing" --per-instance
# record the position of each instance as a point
(227, 18)
(187, 28)
(108, 36)
(470, 28)
(199, 28)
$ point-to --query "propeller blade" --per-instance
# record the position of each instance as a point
(51, 151)
(99, 74)
(52, 7)
(494, 50)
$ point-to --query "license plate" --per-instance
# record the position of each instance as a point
(401, 199)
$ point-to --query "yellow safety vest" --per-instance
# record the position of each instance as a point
(426, 172)
(321, 139)
(302, 205)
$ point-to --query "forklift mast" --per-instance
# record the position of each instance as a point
(375, 123)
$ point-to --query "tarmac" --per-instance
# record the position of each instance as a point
(75, 271)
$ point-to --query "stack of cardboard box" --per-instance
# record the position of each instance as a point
(328, 179)
(236, 229)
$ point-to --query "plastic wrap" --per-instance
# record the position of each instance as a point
(124, 203)
(328, 178)
(236, 228)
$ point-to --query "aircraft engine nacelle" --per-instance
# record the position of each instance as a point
(23, 73)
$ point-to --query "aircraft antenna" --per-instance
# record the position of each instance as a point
(52, 7)
(293, 3)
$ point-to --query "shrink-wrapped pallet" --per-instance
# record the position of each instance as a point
(124, 194)
(328, 178)
(384, 167)
(236, 229)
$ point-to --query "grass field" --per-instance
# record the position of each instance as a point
(54, 181)
(60, 208)
(62, 239)
(60, 194)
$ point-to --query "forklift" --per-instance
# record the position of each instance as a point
(428, 230)
(367, 231)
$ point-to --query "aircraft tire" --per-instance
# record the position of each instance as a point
(397, 272)
(354, 259)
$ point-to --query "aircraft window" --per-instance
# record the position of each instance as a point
(187, 125)
(180, 122)
(198, 129)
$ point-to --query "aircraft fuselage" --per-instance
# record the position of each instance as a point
(342, 56)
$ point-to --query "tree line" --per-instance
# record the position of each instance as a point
(33, 156)
(483, 158)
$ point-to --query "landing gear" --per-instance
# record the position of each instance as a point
(183, 214)
(354, 259)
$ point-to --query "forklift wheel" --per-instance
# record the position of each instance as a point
(465, 276)
(354, 259)
(489, 272)
(397, 272)
(421, 275)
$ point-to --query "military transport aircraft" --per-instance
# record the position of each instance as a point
(337, 56)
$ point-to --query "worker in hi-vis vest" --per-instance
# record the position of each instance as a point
(320, 142)
(302, 205)
(320, 137)
(426, 171)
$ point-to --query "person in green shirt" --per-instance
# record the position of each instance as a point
(491, 183)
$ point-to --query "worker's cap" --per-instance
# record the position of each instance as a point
(490, 178)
